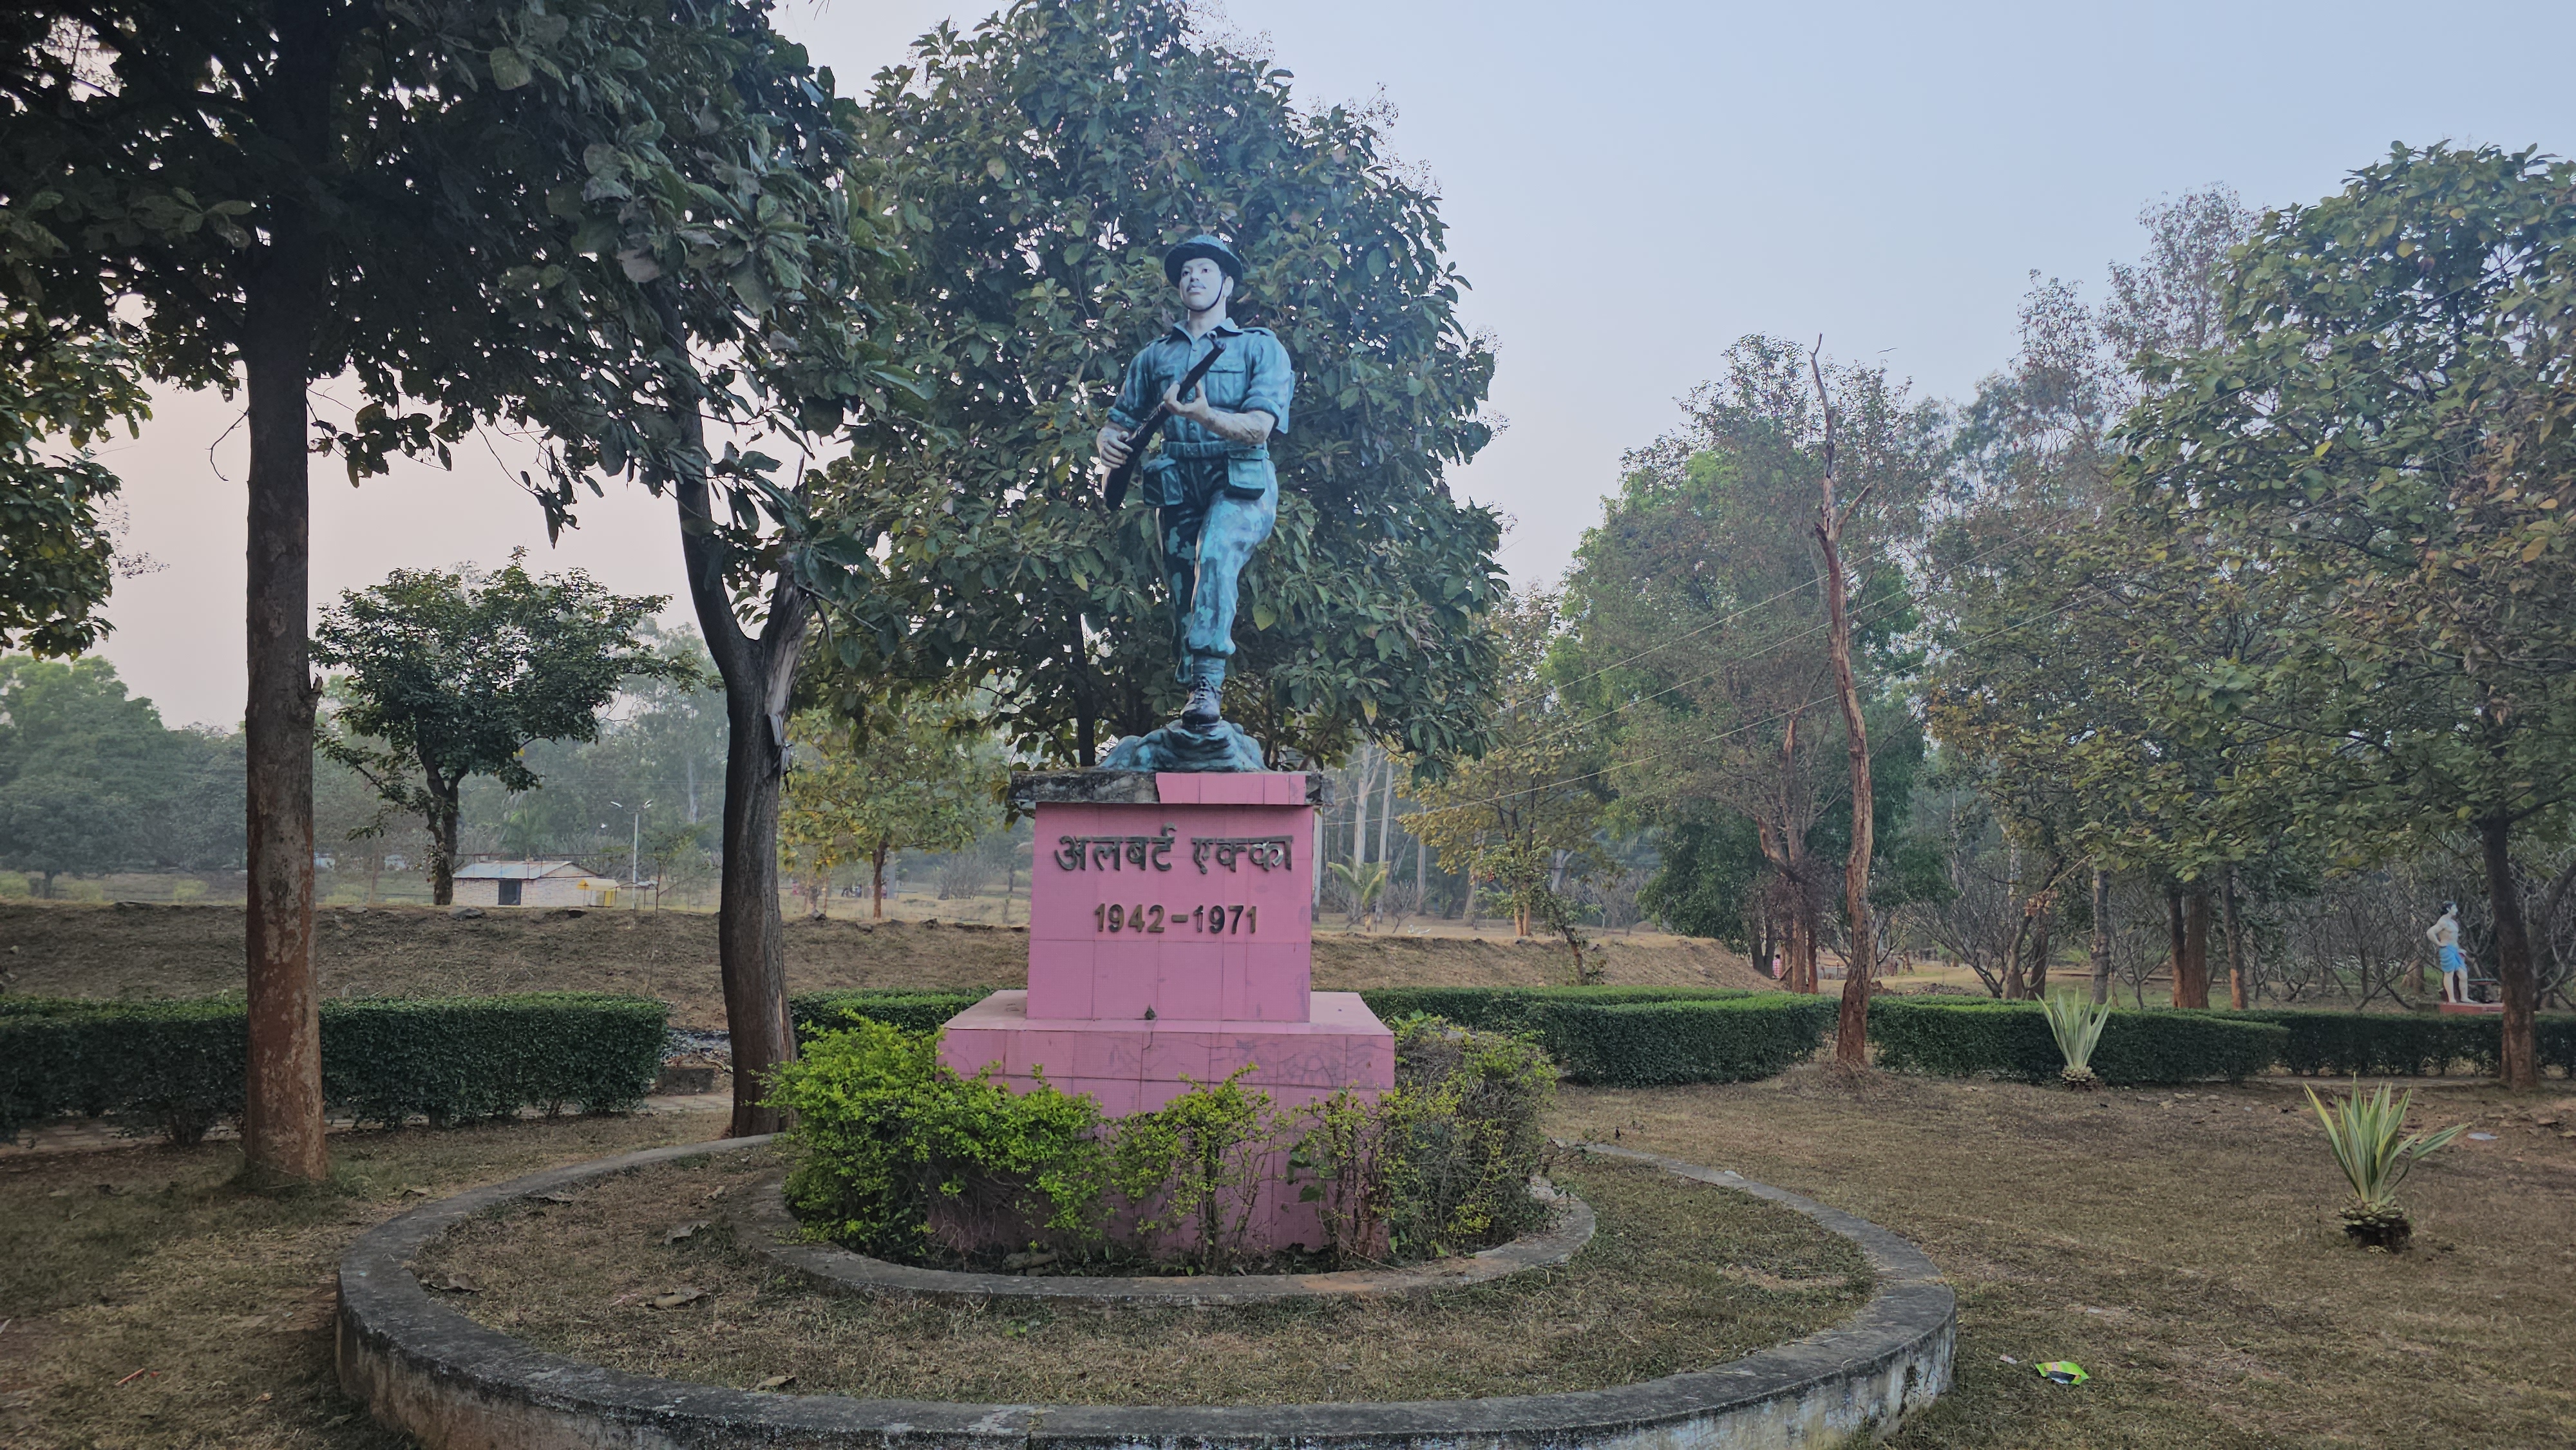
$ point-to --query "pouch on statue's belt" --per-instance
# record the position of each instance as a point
(1248, 471)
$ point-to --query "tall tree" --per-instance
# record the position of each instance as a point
(924, 779)
(1700, 627)
(713, 266)
(1512, 817)
(1037, 167)
(57, 549)
(453, 673)
(268, 192)
(2387, 422)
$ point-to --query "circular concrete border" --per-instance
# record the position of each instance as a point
(769, 1230)
(427, 1370)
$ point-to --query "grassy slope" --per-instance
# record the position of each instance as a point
(120, 951)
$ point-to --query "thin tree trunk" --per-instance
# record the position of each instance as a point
(1359, 815)
(2015, 984)
(2195, 925)
(2101, 937)
(758, 672)
(2174, 930)
(876, 877)
(2041, 920)
(443, 813)
(2516, 983)
(2235, 945)
(1851, 1026)
(282, 1106)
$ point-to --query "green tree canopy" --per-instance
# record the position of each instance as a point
(926, 779)
(451, 674)
(92, 781)
(1698, 637)
(2386, 423)
(1037, 167)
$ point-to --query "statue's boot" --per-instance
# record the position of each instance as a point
(1202, 710)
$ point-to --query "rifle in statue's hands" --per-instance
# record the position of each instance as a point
(1115, 490)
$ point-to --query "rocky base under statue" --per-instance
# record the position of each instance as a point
(1181, 747)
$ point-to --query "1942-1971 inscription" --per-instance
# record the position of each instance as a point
(1214, 919)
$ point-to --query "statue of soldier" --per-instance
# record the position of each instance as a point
(1213, 482)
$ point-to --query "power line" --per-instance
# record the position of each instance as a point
(1744, 729)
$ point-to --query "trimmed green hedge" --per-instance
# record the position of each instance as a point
(1616, 1036)
(1520, 1009)
(2012, 1040)
(2409, 1044)
(814, 1012)
(181, 1064)
(1644, 1044)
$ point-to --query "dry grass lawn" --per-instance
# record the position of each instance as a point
(2179, 1245)
(1679, 1276)
(135, 950)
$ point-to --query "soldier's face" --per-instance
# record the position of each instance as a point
(1202, 284)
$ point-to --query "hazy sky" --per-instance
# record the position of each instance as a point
(1629, 186)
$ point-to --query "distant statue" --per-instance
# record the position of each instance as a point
(2445, 937)
(1219, 393)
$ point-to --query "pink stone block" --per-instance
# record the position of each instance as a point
(1189, 984)
(1035, 1049)
(1283, 789)
(970, 1052)
(1179, 787)
(1118, 1097)
(1060, 978)
(1277, 981)
(1173, 1056)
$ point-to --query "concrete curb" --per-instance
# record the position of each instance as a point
(767, 1229)
(429, 1371)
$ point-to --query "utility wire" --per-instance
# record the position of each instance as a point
(1712, 739)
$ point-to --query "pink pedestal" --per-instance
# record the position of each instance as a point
(1170, 943)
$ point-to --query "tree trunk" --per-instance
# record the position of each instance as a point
(1851, 1026)
(2174, 930)
(2195, 925)
(2235, 945)
(2101, 937)
(282, 1107)
(758, 673)
(443, 814)
(2015, 988)
(2042, 918)
(2519, 1063)
(1086, 736)
(876, 880)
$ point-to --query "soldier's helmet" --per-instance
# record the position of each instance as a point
(1202, 245)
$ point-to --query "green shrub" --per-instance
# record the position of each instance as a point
(1191, 1171)
(814, 1012)
(181, 1064)
(1518, 1009)
(2013, 1040)
(2409, 1044)
(1643, 1044)
(1441, 1164)
(894, 1154)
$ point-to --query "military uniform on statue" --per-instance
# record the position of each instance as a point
(1213, 484)
(1171, 897)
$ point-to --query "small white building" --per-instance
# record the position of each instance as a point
(533, 883)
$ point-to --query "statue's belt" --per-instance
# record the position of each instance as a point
(1173, 448)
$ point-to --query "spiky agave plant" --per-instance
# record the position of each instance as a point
(2363, 1132)
(2077, 1027)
